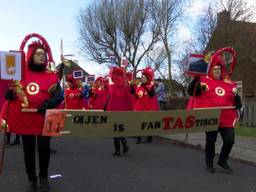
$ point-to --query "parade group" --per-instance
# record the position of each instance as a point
(118, 91)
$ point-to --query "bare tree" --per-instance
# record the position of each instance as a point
(238, 9)
(182, 64)
(207, 22)
(232, 10)
(205, 26)
(119, 28)
(166, 14)
(235, 10)
(157, 60)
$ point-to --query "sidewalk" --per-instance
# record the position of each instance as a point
(244, 149)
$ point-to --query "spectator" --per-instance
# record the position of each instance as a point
(161, 94)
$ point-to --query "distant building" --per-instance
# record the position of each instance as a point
(177, 88)
(75, 67)
(241, 36)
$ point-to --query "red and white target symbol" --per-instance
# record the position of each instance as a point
(33, 88)
(219, 91)
(71, 95)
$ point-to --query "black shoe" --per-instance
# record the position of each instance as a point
(6, 142)
(7, 139)
(116, 153)
(148, 141)
(210, 168)
(224, 167)
(126, 149)
(138, 140)
(15, 142)
(32, 186)
(53, 151)
(44, 185)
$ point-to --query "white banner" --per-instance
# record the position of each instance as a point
(97, 124)
(11, 65)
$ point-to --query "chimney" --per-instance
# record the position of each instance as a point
(223, 18)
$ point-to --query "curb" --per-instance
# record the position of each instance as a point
(199, 147)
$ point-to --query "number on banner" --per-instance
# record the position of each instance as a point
(54, 123)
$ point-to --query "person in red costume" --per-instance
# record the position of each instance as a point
(215, 91)
(145, 93)
(98, 95)
(74, 94)
(4, 85)
(40, 90)
(120, 99)
(132, 83)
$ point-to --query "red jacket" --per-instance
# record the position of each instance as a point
(37, 87)
(144, 101)
(217, 94)
(98, 98)
(74, 99)
(120, 97)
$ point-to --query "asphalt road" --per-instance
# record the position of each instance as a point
(88, 166)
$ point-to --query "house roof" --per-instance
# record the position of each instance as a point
(73, 67)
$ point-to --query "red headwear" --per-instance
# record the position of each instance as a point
(99, 82)
(32, 48)
(216, 58)
(217, 61)
(149, 73)
(70, 79)
(34, 45)
(100, 79)
(117, 75)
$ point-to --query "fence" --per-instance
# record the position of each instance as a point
(249, 117)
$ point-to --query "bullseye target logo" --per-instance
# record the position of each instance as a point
(33, 88)
(219, 91)
(71, 95)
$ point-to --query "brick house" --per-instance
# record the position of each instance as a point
(242, 37)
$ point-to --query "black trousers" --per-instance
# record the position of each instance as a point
(228, 138)
(29, 150)
(117, 143)
(8, 138)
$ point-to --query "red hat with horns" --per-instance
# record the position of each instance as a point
(149, 73)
